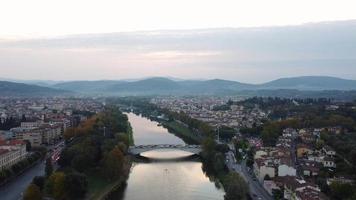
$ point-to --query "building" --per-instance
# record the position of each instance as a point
(310, 167)
(328, 151)
(51, 133)
(33, 135)
(263, 168)
(11, 152)
(285, 168)
(329, 162)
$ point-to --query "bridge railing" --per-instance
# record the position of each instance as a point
(158, 146)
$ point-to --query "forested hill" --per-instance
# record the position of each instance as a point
(25, 90)
(166, 86)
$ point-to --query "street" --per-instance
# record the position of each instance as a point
(256, 189)
(14, 189)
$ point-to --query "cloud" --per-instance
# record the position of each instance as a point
(245, 54)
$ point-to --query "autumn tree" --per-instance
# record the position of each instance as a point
(113, 164)
(56, 185)
(32, 192)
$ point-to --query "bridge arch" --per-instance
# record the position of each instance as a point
(137, 150)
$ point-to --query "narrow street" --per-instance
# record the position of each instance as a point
(256, 189)
(15, 188)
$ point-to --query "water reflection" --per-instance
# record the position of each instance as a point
(171, 181)
(148, 132)
(167, 180)
(166, 154)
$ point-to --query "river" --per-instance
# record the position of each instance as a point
(181, 180)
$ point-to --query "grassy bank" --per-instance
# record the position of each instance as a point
(99, 187)
(183, 132)
(130, 134)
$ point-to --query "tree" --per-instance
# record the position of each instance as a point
(113, 164)
(267, 178)
(80, 162)
(56, 185)
(219, 162)
(49, 167)
(341, 190)
(32, 192)
(235, 187)
(353, 157)
(28, 145)
(75, 185)
(277, 194)
(270, 134)
(39, 181)
(319, 144)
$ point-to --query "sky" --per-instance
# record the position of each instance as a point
(250, 41)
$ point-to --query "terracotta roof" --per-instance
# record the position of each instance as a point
(11, 142)
(3, 151)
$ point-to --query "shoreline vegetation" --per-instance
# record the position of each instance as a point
(182, 131)
(7, 175)
(193, 131)
(94, 162)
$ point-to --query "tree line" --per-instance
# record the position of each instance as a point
(97, 147)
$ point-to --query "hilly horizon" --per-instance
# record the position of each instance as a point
(161, 85)
(175, 86)
(27, 90)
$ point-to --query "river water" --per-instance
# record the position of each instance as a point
(181, 180)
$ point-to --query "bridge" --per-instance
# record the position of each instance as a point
(136, 150)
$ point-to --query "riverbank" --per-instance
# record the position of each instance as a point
(100, 188)
(130, 135)
(164, 174)
(182, 131)
(21, 167)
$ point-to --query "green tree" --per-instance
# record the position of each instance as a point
(319, 144)
(39, 181)
(113, 164)
(235, 187)
(277, 194)
(56, 185)
(270, 133)
(49, 167)
(32, 192)
(341, 191)
(28, 145)
(75, 185)
(80, 163)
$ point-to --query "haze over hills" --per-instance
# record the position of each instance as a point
(167, 86)
(25, 90)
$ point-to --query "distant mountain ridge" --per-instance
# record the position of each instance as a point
(311, 83)
(293, 86)
(166, 86)
(25, 90)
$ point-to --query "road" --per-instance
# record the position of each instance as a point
(256, 189)
(14, 189)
